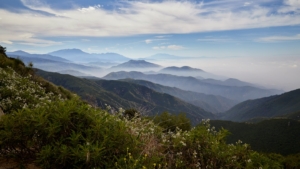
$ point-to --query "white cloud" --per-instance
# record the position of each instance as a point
(7, 41)
(141, 17)
(148, 41)
(170, 47)
(279, 38)
(293, 2)
(214, 40)
(175, 47)
(247, 3)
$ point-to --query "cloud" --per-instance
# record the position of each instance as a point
(148, 41)
(170, 47)
(214, 40)
(143, 17)
(175, 47)
(279, 38)
(7, 41)
(247, 3)
(293, 2)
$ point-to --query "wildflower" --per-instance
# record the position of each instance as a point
(183, 143)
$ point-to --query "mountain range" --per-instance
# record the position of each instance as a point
(266, 107)
(51, 63)
(77, 55)
(235, 93)
(126, 95)
(211, 103)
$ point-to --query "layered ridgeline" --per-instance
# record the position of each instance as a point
(126, 95)
(49, 127)
(237, 93)
(51, 63)
(211, 103)
(268, 107)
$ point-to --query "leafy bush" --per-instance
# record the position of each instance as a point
(65, 134)
(131, 113)
(171, 122)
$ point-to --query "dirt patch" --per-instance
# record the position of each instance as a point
(12, 164)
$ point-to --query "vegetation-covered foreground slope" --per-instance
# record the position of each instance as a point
(267, 107)
(126, 95)
(68, 133)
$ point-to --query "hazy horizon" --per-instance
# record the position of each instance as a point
(254, 41)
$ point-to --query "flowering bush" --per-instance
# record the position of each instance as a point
(18, 92)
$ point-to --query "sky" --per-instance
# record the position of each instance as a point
(253, 40)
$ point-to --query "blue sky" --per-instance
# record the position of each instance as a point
(264, 32)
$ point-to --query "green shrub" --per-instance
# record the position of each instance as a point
(170, 122)
(65, 134)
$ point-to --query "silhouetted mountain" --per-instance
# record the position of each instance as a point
(22, 54)
(238, 94)
(78, 55)
(126, 95)
(211, 103)
(189, 71)
(229, 82)
(137, 64)
(52, 65)
(266, 107)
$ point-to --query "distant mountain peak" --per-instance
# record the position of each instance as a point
(183, 68)
(20, 52)
(74, 50)
(137, 64)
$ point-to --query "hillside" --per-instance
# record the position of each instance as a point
(272, 136)
(126, 95)
(211, 103)
(267, 107)
(46, 126)
(235, 93)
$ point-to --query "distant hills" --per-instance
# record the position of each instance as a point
(211, 103)
(26, 55)
(77, 55)
(235, 93)
(126, 95)
(51, 63)
(136, 64)
(266, 107)
(188, 71)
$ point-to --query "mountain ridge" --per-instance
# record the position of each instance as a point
(272, 106)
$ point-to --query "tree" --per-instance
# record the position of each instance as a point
(2, 49)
